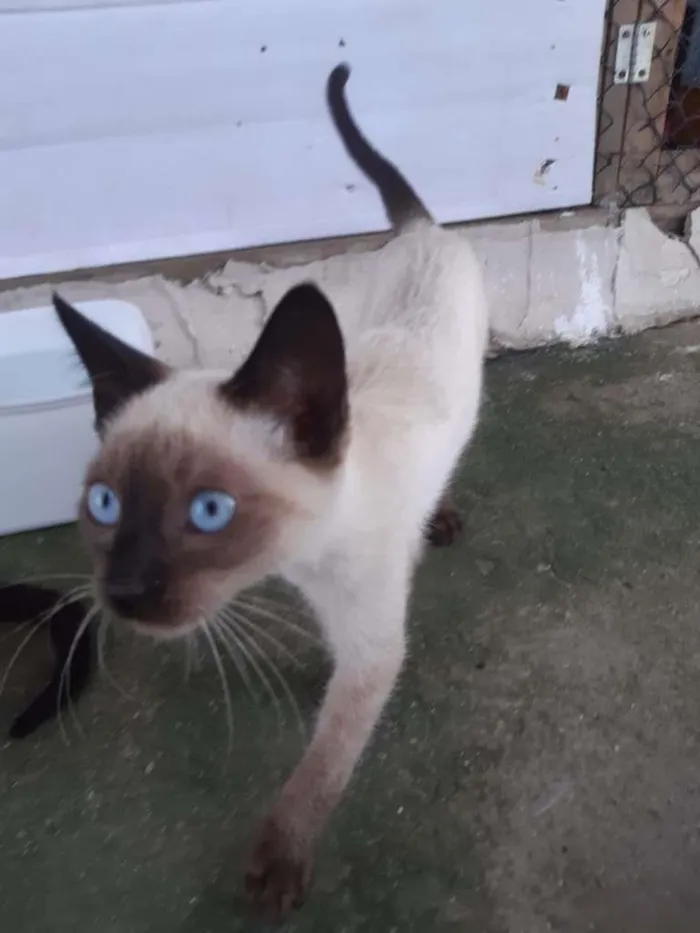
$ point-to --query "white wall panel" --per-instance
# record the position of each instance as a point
(134, 130)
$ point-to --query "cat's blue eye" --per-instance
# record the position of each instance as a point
(103, 504)
(211, 510)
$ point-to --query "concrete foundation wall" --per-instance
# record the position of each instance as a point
(569, 278)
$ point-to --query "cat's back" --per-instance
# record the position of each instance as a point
(415, 321)
(414, 283)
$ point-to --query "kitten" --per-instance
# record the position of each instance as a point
(321, 460)
(72, 643)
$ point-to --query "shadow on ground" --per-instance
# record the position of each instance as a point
(539, 766)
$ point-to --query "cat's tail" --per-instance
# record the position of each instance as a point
(401, 202)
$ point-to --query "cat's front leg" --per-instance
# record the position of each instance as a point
(368, 643)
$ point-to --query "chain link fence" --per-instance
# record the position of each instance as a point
(648, 149)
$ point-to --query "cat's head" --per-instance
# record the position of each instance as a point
(204, 484)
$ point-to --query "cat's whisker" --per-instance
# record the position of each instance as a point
(216, 654)
(72, 596)
(36, 623)
(277, 673)
(274, 668)
(275, 642)
(104, 671)
(296, 606)
(190, 647)
(274, 602)
(230, 626)
(244, 604)
(64, 685)
(231, 645)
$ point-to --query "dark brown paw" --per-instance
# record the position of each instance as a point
(445, 526)
(278, 877)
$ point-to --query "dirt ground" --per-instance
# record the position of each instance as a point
(539, 766)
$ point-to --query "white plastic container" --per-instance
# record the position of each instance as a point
(46, 416)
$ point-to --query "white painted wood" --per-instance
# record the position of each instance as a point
(63, 6)
(143, 130)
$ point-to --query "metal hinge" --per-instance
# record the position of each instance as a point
(635, 47)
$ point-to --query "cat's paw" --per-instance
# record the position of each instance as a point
(278, 876)
(445, 527)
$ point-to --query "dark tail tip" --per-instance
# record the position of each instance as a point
(401, 202)
(335, 97)
(338, 78)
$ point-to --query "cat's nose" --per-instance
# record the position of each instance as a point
(134, 597)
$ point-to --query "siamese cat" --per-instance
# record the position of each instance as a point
(324, 459)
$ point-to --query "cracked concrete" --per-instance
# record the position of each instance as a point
(658, 275)
(567, 279)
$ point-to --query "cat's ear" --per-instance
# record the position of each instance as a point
(296, 373)
(117, 371)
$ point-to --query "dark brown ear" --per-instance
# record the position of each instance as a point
(296, 372)
(117, 371)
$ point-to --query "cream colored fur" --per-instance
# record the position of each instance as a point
(415, 332)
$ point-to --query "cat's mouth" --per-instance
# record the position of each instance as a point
(164, 632)
(149, 609)
(161, 626)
